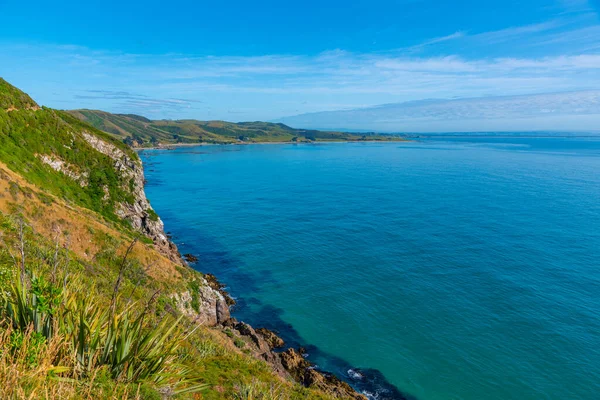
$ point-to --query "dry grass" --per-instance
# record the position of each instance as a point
(33, 369)
(84, 227)
(28, 371)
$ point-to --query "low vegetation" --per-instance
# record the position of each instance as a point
(64, 335)
(102, 323)
(32, 137)
(62, 331)
(87, 307)
(142, 132)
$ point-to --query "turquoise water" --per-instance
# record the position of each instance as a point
(457, 269)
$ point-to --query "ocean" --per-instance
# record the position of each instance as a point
(442, 268)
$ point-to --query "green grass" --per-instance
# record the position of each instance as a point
(94, 324)
(58, 335)
(62, 314)
(11, 97)
(26, 135)
(139, 131)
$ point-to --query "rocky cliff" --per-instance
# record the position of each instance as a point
(61, 173)
(211, 309)
(140, 214)
(289, 363)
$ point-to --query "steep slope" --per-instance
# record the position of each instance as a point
(94, 299)
(139, 131)
(76, 162)
(80, 249)
(12, 98)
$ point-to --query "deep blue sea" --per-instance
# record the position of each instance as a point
(463, 268)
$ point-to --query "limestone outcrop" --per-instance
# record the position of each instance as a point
(140, 213)
(211, 309)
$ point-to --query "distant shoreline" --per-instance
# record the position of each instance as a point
(502, 136)
(395, 140)
(177, 145)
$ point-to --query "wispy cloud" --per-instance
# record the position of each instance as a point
(437, 40)
(137, 101)
(574, 28)
(561, 54)
(171, 85)
(516, 32)
(549, 111)
(575, 6)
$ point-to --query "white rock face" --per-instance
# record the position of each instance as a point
(213, 309)
(62, 166)
(140, 213)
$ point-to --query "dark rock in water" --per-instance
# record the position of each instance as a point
(271, 338)
(373, 383)
(214, 283)
(294, 362)
(303, 371)
(190, 258)
(261, 348)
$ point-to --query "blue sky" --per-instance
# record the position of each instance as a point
(266, 60)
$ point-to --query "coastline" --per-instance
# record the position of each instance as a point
(199, 144)
(287, 361)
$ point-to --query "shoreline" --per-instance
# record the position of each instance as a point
(394, 139)
(356, 384)
(200, 144)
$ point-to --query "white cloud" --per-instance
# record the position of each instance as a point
(575, 6)
(571, 31)
(550, 111)
(437, 40)
(450, 64)
(271, 86)
(514, 33)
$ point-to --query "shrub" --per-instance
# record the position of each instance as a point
(194, 287)
(152, 215)
(126, 345)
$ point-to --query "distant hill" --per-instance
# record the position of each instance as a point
(58, 152)
(138, 131)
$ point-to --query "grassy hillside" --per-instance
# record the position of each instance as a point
(139, 131)
(32, 138)
(72, 263)
(89, 306)
(11, 97)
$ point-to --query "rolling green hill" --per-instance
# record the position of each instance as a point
(56, 151)
(138, 131)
